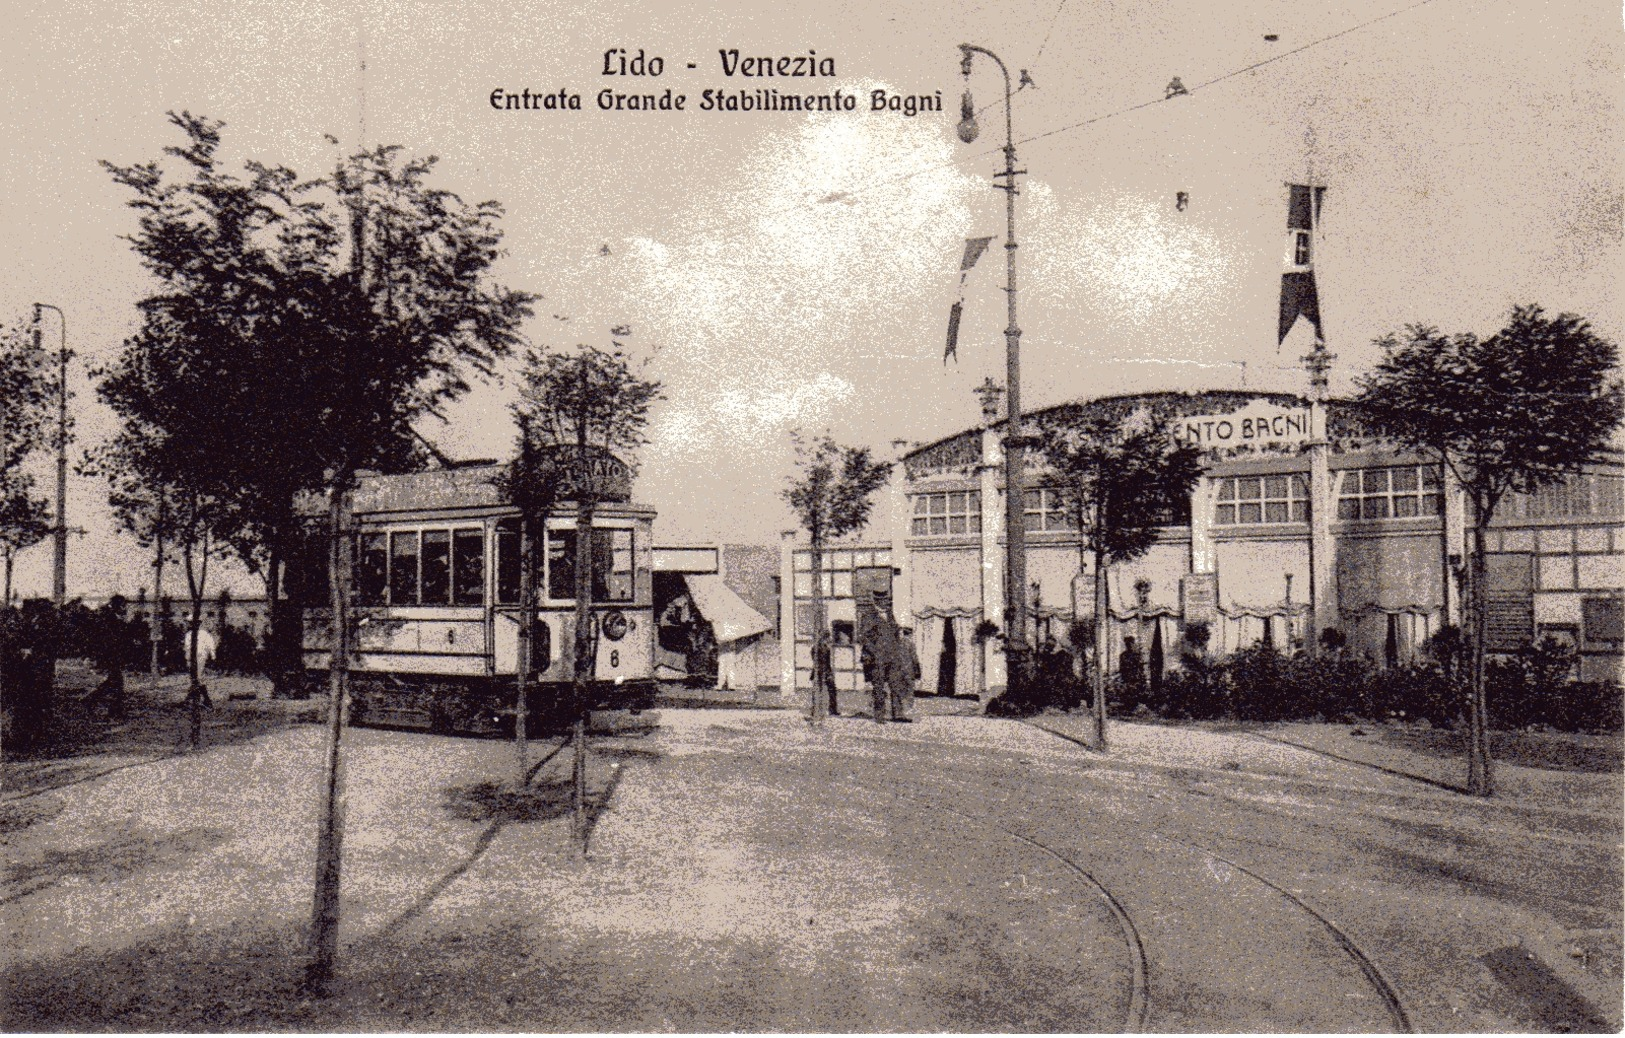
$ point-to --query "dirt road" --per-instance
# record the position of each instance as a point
(747, 873)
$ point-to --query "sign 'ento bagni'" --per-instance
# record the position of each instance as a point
(1257, 424)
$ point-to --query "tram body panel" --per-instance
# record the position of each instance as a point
(435, 624)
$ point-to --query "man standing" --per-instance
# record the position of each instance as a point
(824, 673)
(905, 675)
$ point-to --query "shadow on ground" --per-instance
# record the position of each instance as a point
(1551, 751)
(105, 862)
(519, 976)
(82, 743)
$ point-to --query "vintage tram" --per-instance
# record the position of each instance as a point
(436, 603)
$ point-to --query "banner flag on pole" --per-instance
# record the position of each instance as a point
(974, 247)
(1298, 291)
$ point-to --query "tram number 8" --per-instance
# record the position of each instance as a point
(614, 657)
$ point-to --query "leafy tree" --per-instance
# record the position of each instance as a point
(1121, 476)
(1519, 410)
(28, 387)
(297, 331)
(165, 507)
(831, 494)
(580, 405)
(531, 482)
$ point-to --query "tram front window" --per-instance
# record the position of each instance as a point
(611, 565)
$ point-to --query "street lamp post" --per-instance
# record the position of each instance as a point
(1015, 551)
(59, 568)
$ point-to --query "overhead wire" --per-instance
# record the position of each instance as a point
(849, 193)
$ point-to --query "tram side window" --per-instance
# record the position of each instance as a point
(468, 567)
(611, 565)
(508, 563)
(403, 569)
(372, 574)
(306, 574)
(436, 588)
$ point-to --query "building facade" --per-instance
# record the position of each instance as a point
(1301, 522)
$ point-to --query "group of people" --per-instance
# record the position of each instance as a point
(891, 669)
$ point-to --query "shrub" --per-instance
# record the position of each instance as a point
(1417, 691)
(31, 639)
(237, 653)
(1596, 705)
(1266, 686)
(1198, 691)
(1335, 685)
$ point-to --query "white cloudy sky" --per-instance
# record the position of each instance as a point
(796, 271)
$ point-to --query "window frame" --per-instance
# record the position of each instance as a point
(601, 584)
(957, 518)
(1377, 503)
(1287, 502)
(1050, 513)
(380, 543)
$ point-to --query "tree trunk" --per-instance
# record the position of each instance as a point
(1102, 646)
(197, 575)
(820, 700)
(1480, 780)
(527, 626)
(10, 556)
(285, 656)
(324, 923)
(583, 662)
(155, 621)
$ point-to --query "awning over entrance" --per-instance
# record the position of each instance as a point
(731, 617)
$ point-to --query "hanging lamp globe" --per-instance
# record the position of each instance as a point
(968, 130)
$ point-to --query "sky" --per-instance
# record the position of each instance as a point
(791, 271)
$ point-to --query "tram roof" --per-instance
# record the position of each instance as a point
(464, 487)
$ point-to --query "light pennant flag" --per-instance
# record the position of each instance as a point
(1299, 296)
(974, 247)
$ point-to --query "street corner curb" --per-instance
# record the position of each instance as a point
(1603, 998)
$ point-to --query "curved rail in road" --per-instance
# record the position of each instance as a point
(1373, 972)
(1138, 1010)
(1140, 1001)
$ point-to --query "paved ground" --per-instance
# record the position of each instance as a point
(745, 872)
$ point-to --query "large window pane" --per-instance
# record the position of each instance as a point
(307, 577)
(561, 564)
(372, 572)
(508, 563)
(436, 589)
(403, 568)
(612, 565)
(468, 567)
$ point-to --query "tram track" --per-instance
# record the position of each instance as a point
(1368, 966)
(927, 789)
(1137, 1011)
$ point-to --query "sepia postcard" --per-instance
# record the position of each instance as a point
(1039, 516)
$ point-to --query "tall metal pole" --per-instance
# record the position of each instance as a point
(59, 570)
(1015, 526)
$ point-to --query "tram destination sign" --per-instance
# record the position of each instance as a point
(1257, 424)
(608, 476)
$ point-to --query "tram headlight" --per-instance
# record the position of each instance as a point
(615, 625)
